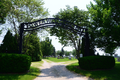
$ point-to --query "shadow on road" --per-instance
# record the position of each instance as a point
(58, 71)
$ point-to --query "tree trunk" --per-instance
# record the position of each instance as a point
(77, 53)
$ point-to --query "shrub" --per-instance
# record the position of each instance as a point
(96, 62)
(14, 63)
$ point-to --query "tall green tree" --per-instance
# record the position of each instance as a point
(47, 47)
(67, 53)
(54, 52)
(74, 52)
(105, 18)
(9, 43)
(75, 16)
(62, 51)
(31, 46)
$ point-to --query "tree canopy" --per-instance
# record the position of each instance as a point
(25, 11)
(47, 48)
(32, 47)
(5, 6)
(74, 16)
(105, 18)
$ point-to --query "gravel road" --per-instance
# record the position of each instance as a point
(58, 71)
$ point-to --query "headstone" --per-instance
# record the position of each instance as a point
(118, 59)
(81, 55)
(69, 57)
(58, 56)
(116, 55)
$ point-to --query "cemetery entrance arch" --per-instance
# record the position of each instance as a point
(53, 22)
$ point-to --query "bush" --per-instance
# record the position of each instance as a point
(14, 63)
(96, 62)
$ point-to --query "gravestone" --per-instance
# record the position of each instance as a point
(58, 57)
(81, 55)
(118, 59)
(69, 57)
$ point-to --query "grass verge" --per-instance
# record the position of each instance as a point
(112, 74)
(37, 64)
(33, 73)
(60, 60)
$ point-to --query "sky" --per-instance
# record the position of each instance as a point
(54, 7)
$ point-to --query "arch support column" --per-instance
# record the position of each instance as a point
(21, 37)
(87, 43)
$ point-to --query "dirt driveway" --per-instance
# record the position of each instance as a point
(57, 71)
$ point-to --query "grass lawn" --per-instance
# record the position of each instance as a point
(112, 74)
(60, 60)
(33, 73)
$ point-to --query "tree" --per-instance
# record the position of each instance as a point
(75, 16)
(74, 52)
(67, 53)
(25, 11)
(47, 47)
(31, 46)
(105, 18)
(4, 9)
(54, 52)
(62, 51)
(9, 44)
(58, 52)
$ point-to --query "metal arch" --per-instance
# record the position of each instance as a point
(47, 22)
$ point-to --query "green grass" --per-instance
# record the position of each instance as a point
(112, 74)
(37, 64)
(60, 60)
(33, 73)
